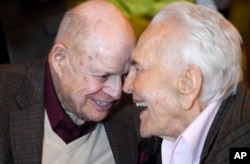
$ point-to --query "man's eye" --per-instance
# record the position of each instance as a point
(137, 69)
(102, 78)
(124, 76)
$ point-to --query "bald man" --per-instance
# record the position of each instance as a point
(53, 110)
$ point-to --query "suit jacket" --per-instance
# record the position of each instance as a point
(22, 118)
(231, 128)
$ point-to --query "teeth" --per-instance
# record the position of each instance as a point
(141, 104)
(102, 103)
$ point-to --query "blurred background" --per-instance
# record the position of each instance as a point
(28, 27)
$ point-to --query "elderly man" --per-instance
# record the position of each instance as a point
(186, 72)
(49, 108)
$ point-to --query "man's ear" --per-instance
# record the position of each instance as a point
(57, 58)
(190, 84)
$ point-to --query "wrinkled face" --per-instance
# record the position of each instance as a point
(90, 58)
(154, 84)
(90, 84)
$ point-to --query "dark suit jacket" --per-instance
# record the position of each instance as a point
(22, 118)
(231, 128)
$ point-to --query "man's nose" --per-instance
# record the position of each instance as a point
(128, 84)
(113, 87)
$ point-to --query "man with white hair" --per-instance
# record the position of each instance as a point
(186, 73)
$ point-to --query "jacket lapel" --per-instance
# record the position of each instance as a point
(26, 124)
(122, 134)
(216, 127)
(121, 145)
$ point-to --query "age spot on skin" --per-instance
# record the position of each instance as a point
(90, 58)
(156, 102)
(81, 63)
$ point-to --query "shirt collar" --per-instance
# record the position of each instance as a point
(53, 107)
(195, 135)
(191, 141)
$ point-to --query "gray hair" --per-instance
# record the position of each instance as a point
(210, 42)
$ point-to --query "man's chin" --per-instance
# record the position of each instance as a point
(145, 133)
(98, 117)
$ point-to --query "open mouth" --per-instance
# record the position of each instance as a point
(103, 103)
(141, 104)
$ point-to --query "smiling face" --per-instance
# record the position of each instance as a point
(158, 85)
(89, 59)
(90, 85)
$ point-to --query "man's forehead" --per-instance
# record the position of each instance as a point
(155, 40)
(109, 62)
(145, 49)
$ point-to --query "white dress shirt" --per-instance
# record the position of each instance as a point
(188, 146)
